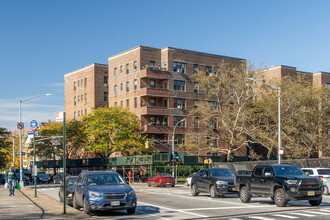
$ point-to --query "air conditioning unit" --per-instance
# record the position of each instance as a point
(179, 70)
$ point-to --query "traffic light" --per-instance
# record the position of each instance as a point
(146, 145)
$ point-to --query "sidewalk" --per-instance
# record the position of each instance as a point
(41, 207)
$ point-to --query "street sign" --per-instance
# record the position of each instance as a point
(34, 124)
(20, 125)
(55, 142)
(31, 132)
(35, 170)
(281, 152)
(59, 116)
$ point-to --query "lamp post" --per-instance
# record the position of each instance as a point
(279, 114)
(173, 163)
(20, 135)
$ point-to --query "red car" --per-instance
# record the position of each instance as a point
(161, 179)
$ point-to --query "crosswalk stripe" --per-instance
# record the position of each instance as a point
(261, 218)
(321, 213)
(324, 210)
(285, 216)
(302, 214)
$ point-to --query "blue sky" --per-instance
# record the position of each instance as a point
(40, 41)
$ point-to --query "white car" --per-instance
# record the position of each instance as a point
(188, 180)
(323, 173)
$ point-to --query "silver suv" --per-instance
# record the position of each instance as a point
(323, 173)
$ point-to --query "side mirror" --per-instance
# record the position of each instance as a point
(205, 175)
(268, 174)
(307, 173)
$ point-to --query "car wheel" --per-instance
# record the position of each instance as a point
(54, 182)
(74, 203)
(326, 190)
(244, 195)
(315, 202)
(131, 211)
(194, 191)
(172, 185)
(86, 210)
(213, 192)
(279, 198)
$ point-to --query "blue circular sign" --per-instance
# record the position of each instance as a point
(34, 124)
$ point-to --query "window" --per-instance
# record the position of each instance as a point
(81, 83)
(78, 82)
(196, 122)
(196, 89)
(212, 142)
(121, 103)
(74, 115)
(179, 118)
(214, 71)
(127, 86)
(180, 103)
(213, 104)
(78, 98)
(78, 113)
(164, 66)
(127, 68)
(195, 68)
(268, 170)
(74, 100)
(208, 70)
(85, 97)
(105, 79)
(74, 86)
(152, 83)
(127, 103)
(106, 96)
(85, 111)
(178, 67)
(115, 90)
(178, 139)
(213, 124)
(195, 103)
(328, 84)
(153, 102)
(115, 104)
(135, 102)
(135, 84)
(82, 113)
(115, 72)
(85, 82)
(121, 86)
(258, 171)
(81, 97)
(152, 63)
(135, 66)
(179, 85)
(165, 103)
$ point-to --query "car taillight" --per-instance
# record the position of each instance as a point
(319, 176)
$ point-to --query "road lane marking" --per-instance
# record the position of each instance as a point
(174, 210)
(212, 208)
(285, 216)
(259, 217)
(320, 213)
(302, 214)
(325, 210)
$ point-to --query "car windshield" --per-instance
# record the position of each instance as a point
(324, 172)
(221, 172)
(165, 174)
(105, 179)
(71, 181)
(288, 171)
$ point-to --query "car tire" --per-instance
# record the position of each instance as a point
(74, 202)
(194, 191)
(244, 195)
(172, 185)
(86, 210)
(326, 190)
(315, 202)
(213, 192)
(54, 182)
(131, 211)
(280, 199)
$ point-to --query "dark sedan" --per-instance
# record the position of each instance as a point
(216, 181)
(43, 178)
(69, 189)
(58, 178)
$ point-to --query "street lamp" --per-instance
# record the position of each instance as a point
(173, 163)
(279, 114)
(20, 135)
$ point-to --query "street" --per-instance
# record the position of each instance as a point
(177, 203)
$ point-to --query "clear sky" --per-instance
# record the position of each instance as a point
(42, 40)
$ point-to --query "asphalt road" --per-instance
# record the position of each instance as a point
(177, 203)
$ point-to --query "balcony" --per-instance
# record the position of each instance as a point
(154, 110)
(157, 129)
(155, 74)
(159, 92)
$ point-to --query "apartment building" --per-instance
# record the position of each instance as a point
(84, 89)
(157, 85)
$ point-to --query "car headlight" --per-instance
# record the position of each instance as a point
(291, 182)
(219, 182)
(94, 194)
(70, 195)
(131, 193)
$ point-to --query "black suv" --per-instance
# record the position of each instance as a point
(216, 181)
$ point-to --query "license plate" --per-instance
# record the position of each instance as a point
(168, 183)
(311, 193)
(115, 203)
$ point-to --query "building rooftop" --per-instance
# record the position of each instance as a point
(85, 67)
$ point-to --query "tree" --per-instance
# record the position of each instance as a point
(113, 129)
(225, 117)
(5, 148)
